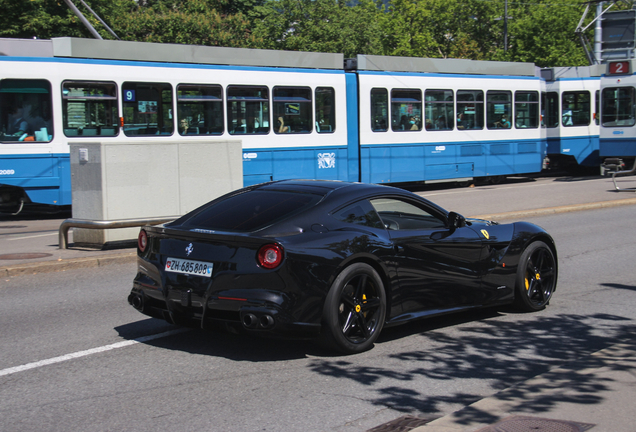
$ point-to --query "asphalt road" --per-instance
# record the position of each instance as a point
(73, 357)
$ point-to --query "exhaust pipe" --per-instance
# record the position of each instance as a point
(137, 302)
(266, 321)
(250, 321)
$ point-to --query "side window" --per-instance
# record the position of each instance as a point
(200, 109)
(89, 109)
(527, 109)
(576, 108)
(359, 213)
(597, 98)
(292, 110)
(247, 110)
(401, 215)
(25, 111)
(147, 109)
(552, 110)
(470, 109)
(325, 109)
(379, 110)
(499, 109)
(617, 106)
(439, 109)
(406, 110)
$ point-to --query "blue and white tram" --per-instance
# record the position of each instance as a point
(298, 115)
(618, 116)
(571, 107)
(441, 119)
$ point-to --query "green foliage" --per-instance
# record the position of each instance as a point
(45, 19)
(319, 25)
(196, 22)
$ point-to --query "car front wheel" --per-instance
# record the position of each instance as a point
(536, 277)
(354, 310)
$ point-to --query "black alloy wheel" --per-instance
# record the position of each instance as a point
(354, 310)
(536, 277)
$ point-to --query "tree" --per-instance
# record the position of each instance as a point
(45, 19)
(319, 25)
(544, 34)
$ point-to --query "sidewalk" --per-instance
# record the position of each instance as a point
(595, 392)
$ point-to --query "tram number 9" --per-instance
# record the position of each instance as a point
(619, 67)
(129, 95)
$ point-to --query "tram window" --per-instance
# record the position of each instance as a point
(325, 109)
(200, 109)
(379, 110)
(498, 109)
(292, 110)
(470, 109)
(551, 108)
(247, 110)
(25, 110)
(147, 109)
(439, 109)
(89, 108)
(617, 106)
(576, 108)
(597, 98)
(526, 109)
(406, 110)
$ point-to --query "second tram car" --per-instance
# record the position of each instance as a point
(570, 115)
(618, 116)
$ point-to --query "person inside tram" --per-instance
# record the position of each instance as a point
(404, 122)
(280, 124)
(183, 126)
(503, 123)
(440, 123)
(413, 124)
(460, 121)
(17, 124)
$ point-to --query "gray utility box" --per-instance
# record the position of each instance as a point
(126, 180)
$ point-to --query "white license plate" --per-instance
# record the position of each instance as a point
(198, 268)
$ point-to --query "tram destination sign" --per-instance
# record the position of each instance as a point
(619, 68)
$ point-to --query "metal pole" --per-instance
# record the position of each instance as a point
(598, 34)
(506, 26)
(99, 19)
(83, 19)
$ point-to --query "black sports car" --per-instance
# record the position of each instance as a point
(334, 259)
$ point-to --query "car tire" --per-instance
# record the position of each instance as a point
(354, 310)
(536, 277)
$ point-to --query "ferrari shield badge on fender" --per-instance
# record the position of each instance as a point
(485, 233)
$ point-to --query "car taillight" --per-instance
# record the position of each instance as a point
(270, 256)
(142, 241)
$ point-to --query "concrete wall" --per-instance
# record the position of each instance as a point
(129, 180)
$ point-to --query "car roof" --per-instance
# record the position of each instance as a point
(321, 187)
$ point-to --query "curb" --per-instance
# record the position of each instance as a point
(67, 264)
(557, 210)
(128, 257)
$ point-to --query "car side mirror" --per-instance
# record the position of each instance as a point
(455, 220)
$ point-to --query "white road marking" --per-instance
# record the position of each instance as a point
(88, 352)
(34, 236)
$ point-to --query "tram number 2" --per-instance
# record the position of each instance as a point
(621, 67)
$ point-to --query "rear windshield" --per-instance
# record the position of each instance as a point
(252, 210)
